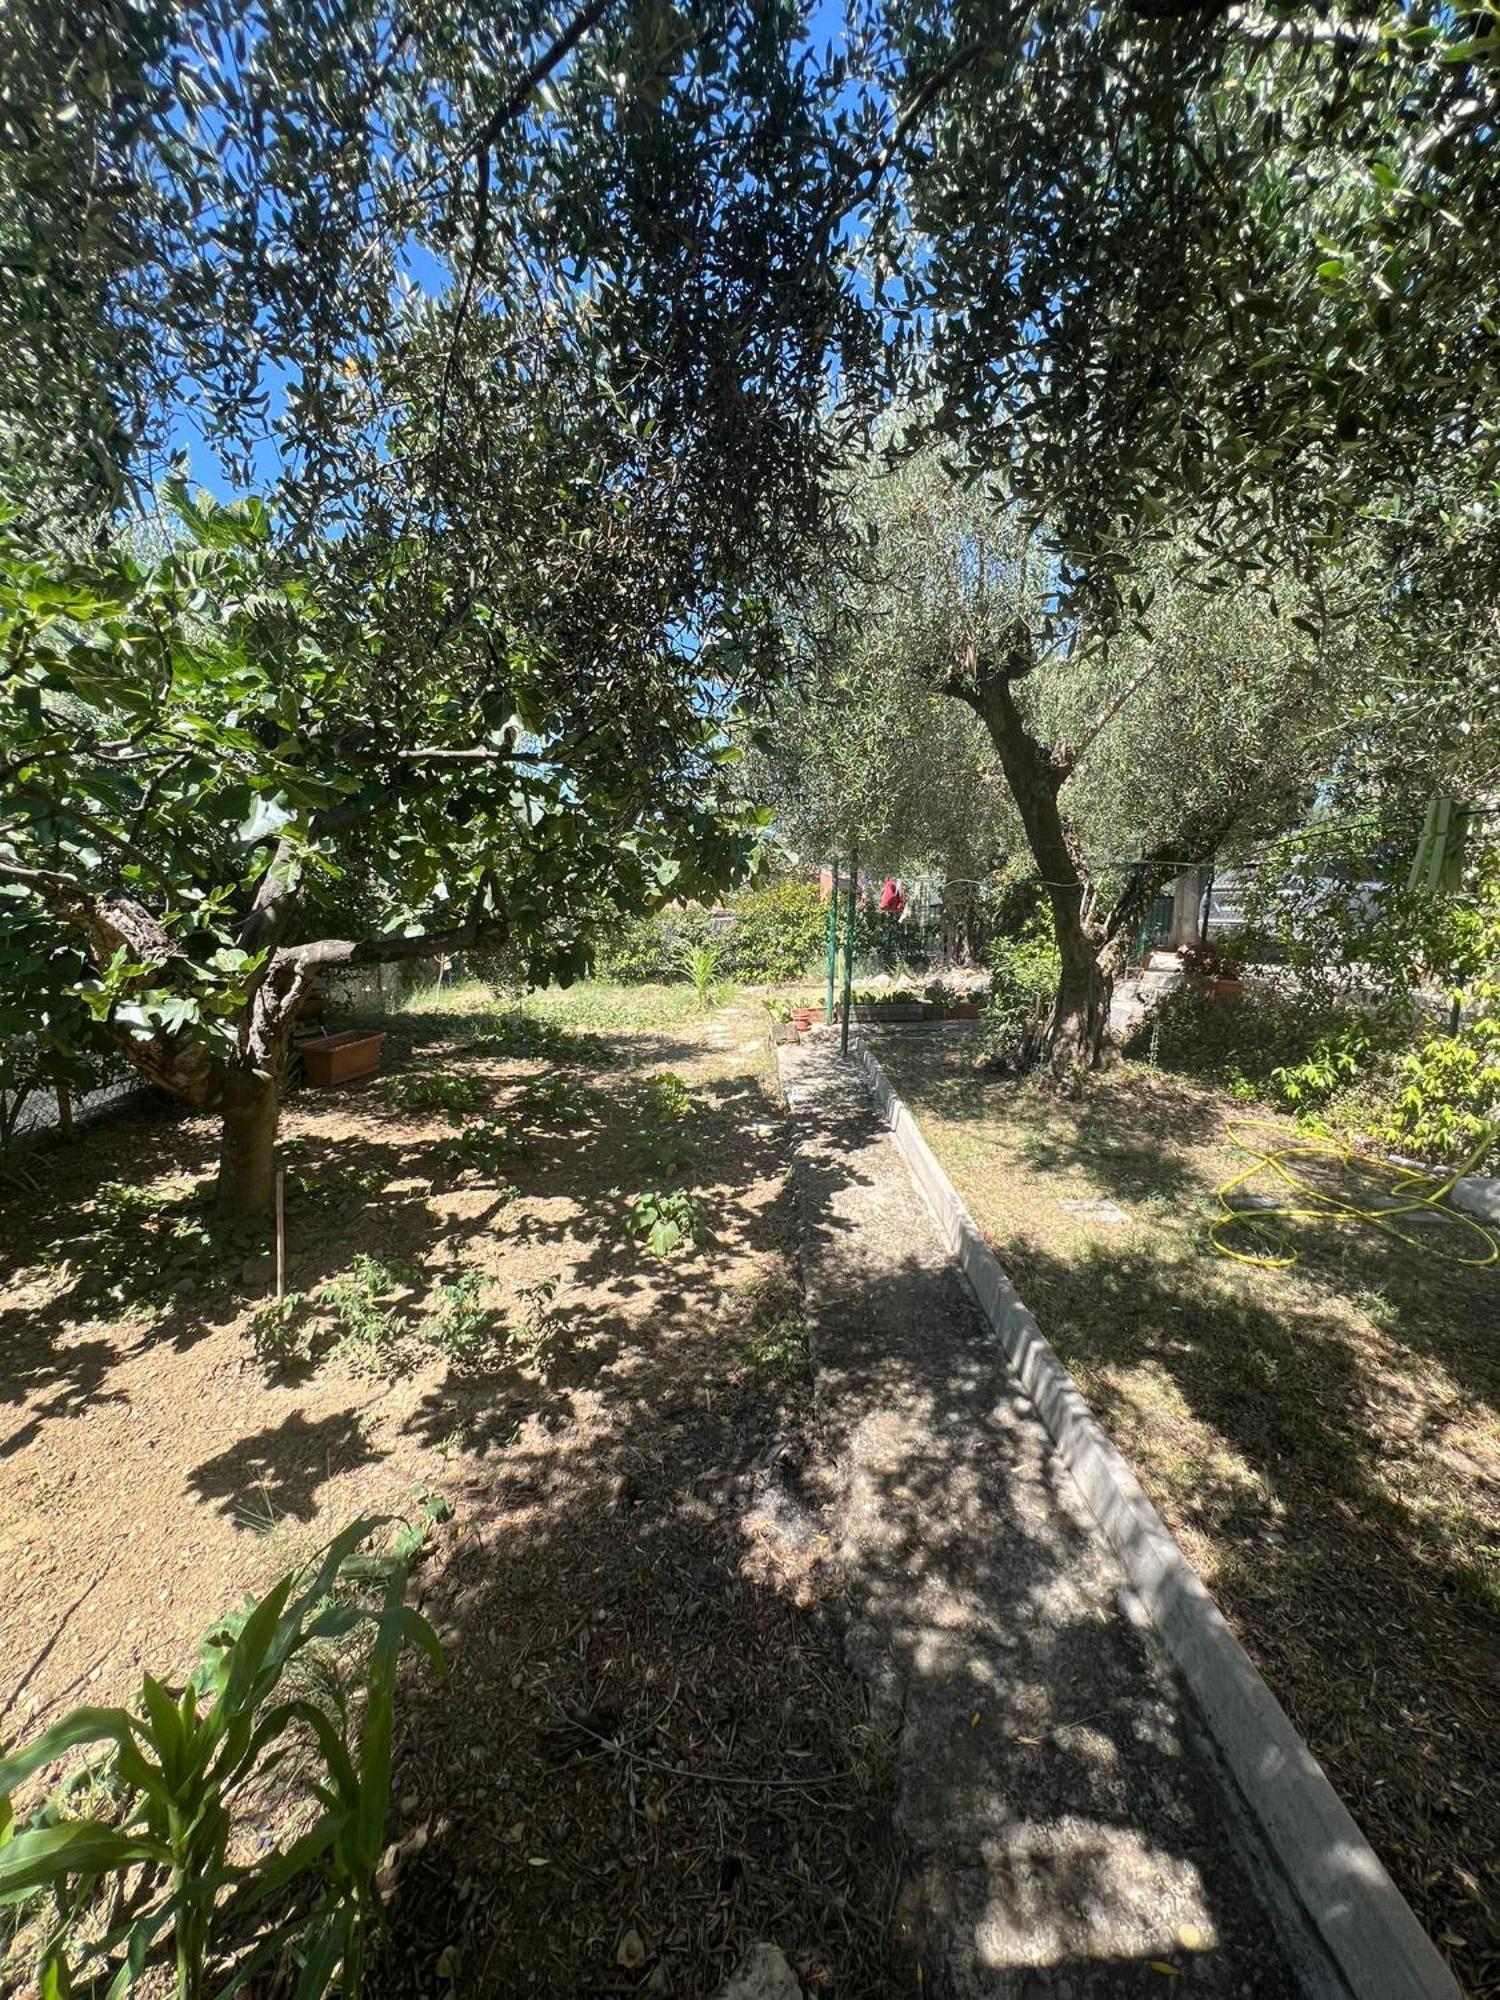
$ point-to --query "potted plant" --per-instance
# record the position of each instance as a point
(1211, 970)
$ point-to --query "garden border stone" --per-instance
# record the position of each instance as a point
(1367, 1926)
(1478, 1194)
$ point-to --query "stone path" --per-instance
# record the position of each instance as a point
(1069, 1833)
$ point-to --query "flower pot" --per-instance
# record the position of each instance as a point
(331, 1059)
(803, 1017)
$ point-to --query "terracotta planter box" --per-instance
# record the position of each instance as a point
(341, 1058)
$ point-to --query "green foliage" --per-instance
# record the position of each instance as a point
(665, 1220)
(524, 1035)
(1444, 1103)
(699, 963)
(281, 1331)
(1023, 979)
(554, 1102)
(454, 1092)
(664, 1105)
(637, 952)
(531, 1333)
(664, 1098)
(369, 1332)
(183, 1770)
(459, 1325)
(779, 931)
(653, 948)
(486, 1150)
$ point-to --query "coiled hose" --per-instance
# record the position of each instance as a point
(1407, 1192)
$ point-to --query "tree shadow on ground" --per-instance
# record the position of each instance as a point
(1062, 1813)
(260, 1480)
(1132, 1144)
(1275, 1441)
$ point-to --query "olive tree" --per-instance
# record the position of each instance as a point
(1127, 752)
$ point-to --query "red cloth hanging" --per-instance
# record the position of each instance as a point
(892, 897)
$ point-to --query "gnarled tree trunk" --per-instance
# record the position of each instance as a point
(1075, 1034)
(1079, 1025)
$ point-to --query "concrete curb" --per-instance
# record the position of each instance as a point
(1363, 1920)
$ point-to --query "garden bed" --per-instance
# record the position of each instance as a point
(1324, 1441)
(639, 1612)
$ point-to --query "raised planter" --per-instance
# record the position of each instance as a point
(891, 1010)
(963, 1010)
(331, 1059)
(1216, 989)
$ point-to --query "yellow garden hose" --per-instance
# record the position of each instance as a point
(1408, 1192)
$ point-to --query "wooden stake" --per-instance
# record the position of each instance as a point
(280, 1234)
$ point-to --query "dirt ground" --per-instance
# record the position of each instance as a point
(648, 1752)
(1323, 1440)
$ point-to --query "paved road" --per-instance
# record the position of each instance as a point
(1070, 1834)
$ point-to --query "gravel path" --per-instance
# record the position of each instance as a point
(1069, 1834)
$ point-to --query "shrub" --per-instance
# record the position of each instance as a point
(635, 951)
(779, 932)
(1444, 1105)
(183, 1767)
(1023, 984)
(1225, 1041)
(647, 949)
(459, 1325)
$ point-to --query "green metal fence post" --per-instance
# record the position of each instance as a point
(833, 943)
(849, 953)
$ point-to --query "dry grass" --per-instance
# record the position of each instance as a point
(1325, 1441)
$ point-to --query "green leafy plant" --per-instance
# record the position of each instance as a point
(522, 1035)
(281, 1331)
(1335, 1059)
(1446, 1103)
(553, 1101)
(459, 1324)
(448, 1091)
(665, 1104)
(665, 1220)
(369, 1331)
(700, 963)
(486, 1149)
(1023, 980)
(778, 932)
(534, 1328)
(153, 1875)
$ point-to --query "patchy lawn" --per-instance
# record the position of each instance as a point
(1324, 1440)
(648, 1752)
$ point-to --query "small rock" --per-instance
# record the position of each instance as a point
(763, 1974)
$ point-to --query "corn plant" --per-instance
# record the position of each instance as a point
(151, 1880)
(700, 962)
